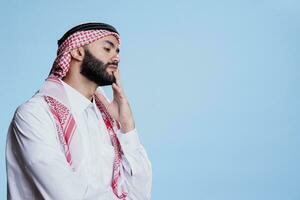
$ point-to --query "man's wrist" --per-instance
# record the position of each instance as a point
(128, 126)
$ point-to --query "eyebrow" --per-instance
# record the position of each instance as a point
(112, 45)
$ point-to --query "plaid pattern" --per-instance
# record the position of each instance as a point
(65, 125)
(112, 126)
(61, 64)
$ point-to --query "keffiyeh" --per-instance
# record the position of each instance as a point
(77, 37)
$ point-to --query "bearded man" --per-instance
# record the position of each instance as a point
(69, 141)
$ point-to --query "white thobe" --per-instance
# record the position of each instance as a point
(36, 163)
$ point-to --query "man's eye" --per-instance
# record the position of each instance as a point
(107, 49)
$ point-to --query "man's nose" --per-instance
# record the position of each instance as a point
(116, 59)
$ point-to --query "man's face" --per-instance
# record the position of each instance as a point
(100, 69)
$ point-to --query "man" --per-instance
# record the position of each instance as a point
(68, 141)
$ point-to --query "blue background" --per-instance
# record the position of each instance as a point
(214, 87)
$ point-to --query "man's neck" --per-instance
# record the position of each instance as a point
(84, 86)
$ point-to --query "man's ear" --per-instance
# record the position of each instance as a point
(78, 53)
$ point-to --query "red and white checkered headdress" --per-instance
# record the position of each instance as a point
(77, 37)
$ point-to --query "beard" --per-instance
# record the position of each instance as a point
(95, 70)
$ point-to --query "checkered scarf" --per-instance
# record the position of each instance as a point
(55, 96)
(78, 39)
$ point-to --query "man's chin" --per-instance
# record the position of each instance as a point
(105, 83)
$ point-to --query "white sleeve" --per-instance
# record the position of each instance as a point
(139, 174)
(36, 144)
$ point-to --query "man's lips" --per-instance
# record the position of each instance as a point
(113, 66)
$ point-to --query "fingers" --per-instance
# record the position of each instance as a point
(117, 77)
(117, 86)
(118, 92)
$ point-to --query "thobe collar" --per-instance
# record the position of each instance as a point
(78, 102)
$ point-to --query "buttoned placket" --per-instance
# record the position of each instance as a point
(91, 125)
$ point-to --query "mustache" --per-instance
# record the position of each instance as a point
(115, 64)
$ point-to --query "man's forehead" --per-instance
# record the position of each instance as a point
(110, 40)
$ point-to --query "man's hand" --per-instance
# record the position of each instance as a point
(119, 108)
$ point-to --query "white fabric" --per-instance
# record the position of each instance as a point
(37, 167)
